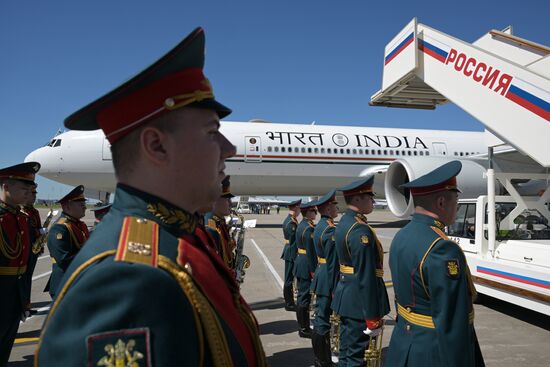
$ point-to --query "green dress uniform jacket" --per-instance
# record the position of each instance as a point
(15, 248)
(324, 278)
(433, 294)
(323, 239)
(306, 259)
(360, 292)
(289, 232)
(147, 290)
(65, 239)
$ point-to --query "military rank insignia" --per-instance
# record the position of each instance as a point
(365, 240)
(453, 271)
(125, 348)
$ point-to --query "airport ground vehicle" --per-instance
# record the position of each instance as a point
(243, 209)
(517, 268)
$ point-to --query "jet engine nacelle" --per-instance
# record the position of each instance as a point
(472, 181)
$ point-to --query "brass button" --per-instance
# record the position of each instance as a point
(408, 309)
(188, 268)
(408, 327)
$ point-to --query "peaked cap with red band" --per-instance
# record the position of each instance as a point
(176, 80)
(362, 186)
(76, 194)
(22, 172)
(440, 179)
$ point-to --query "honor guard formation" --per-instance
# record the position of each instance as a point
(163, 248)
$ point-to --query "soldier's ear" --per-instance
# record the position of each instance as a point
(153, 143)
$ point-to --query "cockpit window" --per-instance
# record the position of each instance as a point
(54, 143)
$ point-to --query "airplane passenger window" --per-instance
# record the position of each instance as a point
(283, 149)
(391, 151)
(385, 152)
(347, 151)
(309, 150)
(303, 150)
(360, 151)
(409, 152)
(379, 152)
(341, 151)
(276, 149)
(397, 152)
(269, 149)
(354, 151)
(461, 154)
(329, 150)
(421, 153)
(322, 150)
(316, 150)
(428, 153)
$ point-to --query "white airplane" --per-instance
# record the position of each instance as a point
(295, 159)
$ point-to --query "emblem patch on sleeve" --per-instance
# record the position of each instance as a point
(453, 270)
(365, 240)
(128, 348)
(59, 236)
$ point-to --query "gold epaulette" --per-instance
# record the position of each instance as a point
(360, 219)
(62, 220)
(440, 233)
(138, 241)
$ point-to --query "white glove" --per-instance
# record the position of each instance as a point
(373, 333)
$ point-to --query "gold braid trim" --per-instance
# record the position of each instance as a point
(378, 245)
(8, 251)
(64, 290)
(207, 321)
(252, 326)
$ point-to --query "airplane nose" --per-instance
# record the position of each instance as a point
(31, 157)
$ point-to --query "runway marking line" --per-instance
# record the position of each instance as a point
(268, 264)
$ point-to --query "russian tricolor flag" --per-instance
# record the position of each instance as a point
(515, 277)
(530, 97)
(434, 48)
(399, 48)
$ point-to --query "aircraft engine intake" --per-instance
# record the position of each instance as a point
(471, 180)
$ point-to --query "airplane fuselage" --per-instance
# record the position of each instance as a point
(272, 159)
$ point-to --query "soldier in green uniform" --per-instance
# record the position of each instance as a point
(147, 289)
(15, 249)
(304, 265)
(324, 278)
(434, 291)
(67, 236)
(289, 252)
(360, 297)
(217, 226)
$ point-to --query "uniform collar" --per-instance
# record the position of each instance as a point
(426, 219)
(325, 216)
(70, 218)
(136, 202)
(9, 208)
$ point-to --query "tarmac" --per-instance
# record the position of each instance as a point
(508, 334)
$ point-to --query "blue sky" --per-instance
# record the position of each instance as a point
(285, 61)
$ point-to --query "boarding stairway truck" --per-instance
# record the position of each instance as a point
(504, 82)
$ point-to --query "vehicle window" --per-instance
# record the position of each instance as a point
(528, 225)
(457, 228)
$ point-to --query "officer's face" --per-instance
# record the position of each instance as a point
(76, 209)
(365, 203)
(333, 210)
(197, 151)
(16, 192)
(311, 214)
